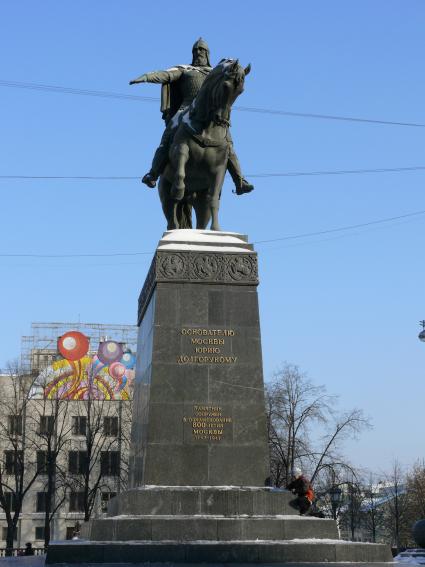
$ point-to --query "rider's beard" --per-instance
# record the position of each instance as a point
(200, 61)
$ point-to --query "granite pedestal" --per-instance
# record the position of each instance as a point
(199, 398)
(199, 452)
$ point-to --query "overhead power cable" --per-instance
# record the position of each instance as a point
(343, 228)
(290, 237)
(83, 92)
(253, 175)
(114, 95)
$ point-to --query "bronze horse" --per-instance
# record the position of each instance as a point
(199, 152)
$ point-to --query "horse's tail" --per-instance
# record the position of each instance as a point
(184, 215)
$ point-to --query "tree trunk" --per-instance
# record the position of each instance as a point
(9, 540)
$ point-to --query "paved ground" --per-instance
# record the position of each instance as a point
(36, 561)
(39, 562)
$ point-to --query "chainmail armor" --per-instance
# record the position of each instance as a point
(190, 83)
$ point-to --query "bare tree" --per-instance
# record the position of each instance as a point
(372, 510)
(415, 485)
(102, 458)
(354, 500)
(294, 407)
(51, 428)
(397, 505)
(294, 404)
(18, 471)
(329, 487)
(340, 427)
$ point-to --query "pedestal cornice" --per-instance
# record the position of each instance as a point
(205, 257)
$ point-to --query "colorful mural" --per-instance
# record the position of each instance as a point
(106, 375)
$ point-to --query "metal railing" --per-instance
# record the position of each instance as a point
(20, 551)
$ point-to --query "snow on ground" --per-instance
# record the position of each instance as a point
(297, 542)
(206, 487)
(216, 517)
(411, 556)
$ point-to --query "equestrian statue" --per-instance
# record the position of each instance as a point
(196, 148)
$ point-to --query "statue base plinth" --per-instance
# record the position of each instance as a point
(199, 454)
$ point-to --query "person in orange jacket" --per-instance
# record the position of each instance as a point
(301, 486)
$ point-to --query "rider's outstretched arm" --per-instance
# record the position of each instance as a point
(161, 77)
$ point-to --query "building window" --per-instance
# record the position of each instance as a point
(13, 461)
(79, 424)
(10, 501)
(110, 463)
(77, 462)
(42, 461)
(39, 532)
(47, 424)
(41, 502)
(104, 501)
(76, 502)
(110, 426)
(4, 533)
(15, 424)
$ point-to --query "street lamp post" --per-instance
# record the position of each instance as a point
(421, 335)
(335, 494)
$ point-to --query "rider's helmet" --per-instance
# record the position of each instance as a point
(201, 43)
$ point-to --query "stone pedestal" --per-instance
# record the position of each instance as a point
(199, 455)
(199, 414)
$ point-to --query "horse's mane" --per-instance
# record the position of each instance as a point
(208, 99)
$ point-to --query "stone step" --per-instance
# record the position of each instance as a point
(201, 500)
(188, 528)
(216, 552)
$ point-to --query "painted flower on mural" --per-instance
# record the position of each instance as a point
(79, 375)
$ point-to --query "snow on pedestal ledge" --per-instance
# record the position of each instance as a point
(205, 240)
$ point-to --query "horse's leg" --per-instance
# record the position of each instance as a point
(180, 158)
(202, 210)
(213, 197)
(169, 205)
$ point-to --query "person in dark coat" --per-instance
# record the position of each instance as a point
(301, 486)
(28, 549)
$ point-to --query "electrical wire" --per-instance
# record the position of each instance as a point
(252, 175)
(122, 96)
(340, 229)
(278, 239)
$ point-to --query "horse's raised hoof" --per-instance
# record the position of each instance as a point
(244, 187)
(149, 180)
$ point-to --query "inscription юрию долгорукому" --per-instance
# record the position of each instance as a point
(207, 345)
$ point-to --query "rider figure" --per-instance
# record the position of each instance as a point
(180, 85)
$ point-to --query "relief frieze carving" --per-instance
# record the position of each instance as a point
(198, 267)
(207, 267)
(172, 266)
(242, 267)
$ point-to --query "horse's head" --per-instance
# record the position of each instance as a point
(219, 91)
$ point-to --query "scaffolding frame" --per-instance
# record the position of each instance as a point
(44, 337)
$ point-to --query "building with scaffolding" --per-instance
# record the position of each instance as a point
(39, 349)
(74, 392)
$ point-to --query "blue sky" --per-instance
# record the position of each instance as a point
(344, 306)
